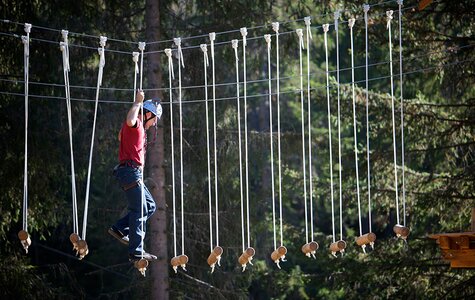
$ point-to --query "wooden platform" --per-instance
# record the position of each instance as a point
(457, 248)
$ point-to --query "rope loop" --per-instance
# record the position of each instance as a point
(351, 22)
(268, 40)
(204, 48)
(389, 15)
(27, 27)
(299, 32)
(135, 59)
(177, 42)
(307, 21)
(212, 38)
(243, 31)
(235, 45)
(168, 52)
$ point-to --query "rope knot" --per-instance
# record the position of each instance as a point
(299, 32)
(27, 27)
(400, 2)
(141, 46)
(267, 37)
(102, 41)
(275, 27)
(389, 15)
(365, 8)
(244, 35)
(235, 45)
(212, 36)
(168, 52)
(326, 27)
(26, 44)
(135, 59)
(307, 24)
(177, 42)
(204, 48)
(351, 23)
(64, 34)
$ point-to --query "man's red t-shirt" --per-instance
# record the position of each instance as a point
(132, 140)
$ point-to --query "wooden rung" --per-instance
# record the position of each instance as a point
(250, 252)
(183, 260)
(82, 248)
(366, 239)
(175, 261)
(74, 238)
(310, 248)
(401, 231)
(24, 239)
(338, 246)
(282, 250)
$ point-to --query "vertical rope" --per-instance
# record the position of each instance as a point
(212, 37)
(366, 9)
(336, 17)
(135, 59)
(66, 68)
(310, 172)
(246, 158)
(389, 15)
(267, 37)
(26, 58)
(325, 30)
(400, 2)
(102, 62)
(235, 45)
(205, 66)
(181, 65)
(302, 108)
(142, 191)
(351, 23)
(275, 27)
(171, 76)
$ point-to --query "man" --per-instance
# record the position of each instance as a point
(130, 229)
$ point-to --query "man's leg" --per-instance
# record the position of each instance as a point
(150, 202)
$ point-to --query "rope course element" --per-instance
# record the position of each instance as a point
(235, 45)
(204, 48)
(182, 259)
(330, 151)
(174, 261)
(301, 46)
(141, 264)
(81, 244)
(215, 255)
(279, 253)
(400, 3)
(74, 236)
(312, 247)
(400, 230)
(370, 237)
(248, 253)
(23, 235)
(340, 245)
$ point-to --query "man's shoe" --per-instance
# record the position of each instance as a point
(145, 255)
(118, 235)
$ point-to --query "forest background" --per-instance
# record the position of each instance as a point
(439, 110)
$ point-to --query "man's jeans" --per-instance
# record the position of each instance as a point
(131, 224)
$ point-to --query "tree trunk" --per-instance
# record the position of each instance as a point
(158, 222)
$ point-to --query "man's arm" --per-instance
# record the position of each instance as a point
(133, 113)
